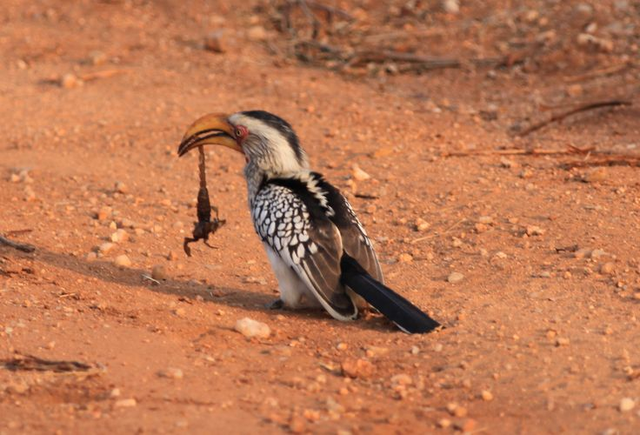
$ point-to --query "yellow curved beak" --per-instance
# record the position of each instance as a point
(211, 129)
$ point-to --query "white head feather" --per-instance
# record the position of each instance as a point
(268, 148)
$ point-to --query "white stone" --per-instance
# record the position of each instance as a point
(252, 328)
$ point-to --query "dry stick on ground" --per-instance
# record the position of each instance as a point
(606, 157)
(19, 246)
(34, 363)
(522, 152)
(444, 233)
(599, 73)
(417, 61)
(582, 108)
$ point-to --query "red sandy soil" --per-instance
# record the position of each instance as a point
(542, 332)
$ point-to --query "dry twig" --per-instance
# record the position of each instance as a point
(19, 246)
(31, 363)
(522, 152)
(582, 108)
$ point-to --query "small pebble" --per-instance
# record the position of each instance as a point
(487, 220)
(257, 33)
(582, 253)
(627, 404)
(596, 175)
(215, 42)
(486, 395)
(106, 247)
(358, 174)
(376, 351)
(401, 379)
(467, 425)
(252, 328)
(451, 6)
(297, 424)
(455, 277)
(608, 268)
(70, 81)
(125, 403)
(534, 230)
(119, 236)
(121, 187)
(97, 58)
(159, 272)
(444, 423)
(506, 163)
(122, 261)
(172, 373)
(421, 225)
(357, 368)
(104, 213)
(562, 341)
(405, 257)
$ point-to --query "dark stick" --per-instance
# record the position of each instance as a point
(19, 246)
(582, 108)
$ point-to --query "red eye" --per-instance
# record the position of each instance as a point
(241, 131)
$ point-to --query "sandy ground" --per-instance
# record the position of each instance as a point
(542, 332)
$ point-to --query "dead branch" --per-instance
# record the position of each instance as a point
(33, 363)
(592, 157)
(19, 246)
(582, 108)
(522, 152)
(418, 61)
(599, 73)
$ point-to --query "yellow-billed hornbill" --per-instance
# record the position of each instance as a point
(319, 251)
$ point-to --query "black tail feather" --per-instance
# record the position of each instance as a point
(400, 311)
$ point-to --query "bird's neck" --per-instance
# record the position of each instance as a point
(256, 176)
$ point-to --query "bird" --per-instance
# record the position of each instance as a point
(318, 249)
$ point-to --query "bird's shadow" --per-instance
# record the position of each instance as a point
(185, 289)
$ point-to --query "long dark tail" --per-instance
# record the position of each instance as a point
(400, 311)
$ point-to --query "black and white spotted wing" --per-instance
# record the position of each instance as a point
(294, 224)
(355, 241)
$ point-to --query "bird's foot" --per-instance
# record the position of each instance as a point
(276, 304)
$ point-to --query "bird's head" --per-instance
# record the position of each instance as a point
(267, 141)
